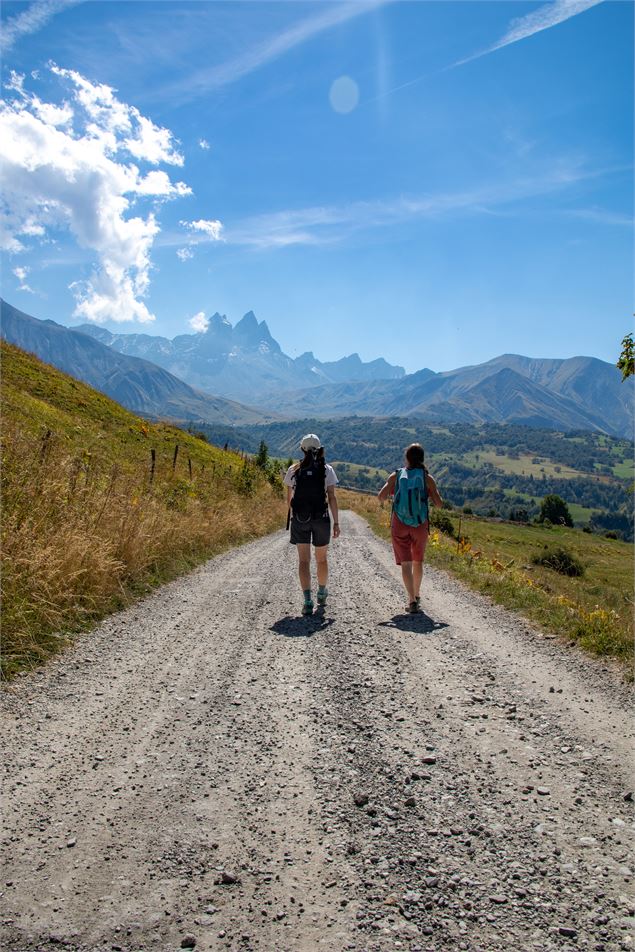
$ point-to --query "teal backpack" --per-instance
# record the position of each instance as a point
(410, 501)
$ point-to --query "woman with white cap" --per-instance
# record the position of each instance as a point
(311, 493)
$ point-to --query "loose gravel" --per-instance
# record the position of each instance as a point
(207, 770)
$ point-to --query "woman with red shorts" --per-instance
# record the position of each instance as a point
(412, 488)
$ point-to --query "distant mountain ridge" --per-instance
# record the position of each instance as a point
(577, 393)
(137, 384)
(242, 362)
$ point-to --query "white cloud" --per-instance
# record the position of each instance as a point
(211, 229)
(31, 20)
(204, 144)
(21, 274)
(546, 16)
(184, 254)
(69, 166)
(199, 322)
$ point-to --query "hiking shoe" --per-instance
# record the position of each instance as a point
(321, 598)
(307, 608)
(418, 601)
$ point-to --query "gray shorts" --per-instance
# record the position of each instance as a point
(316, 531)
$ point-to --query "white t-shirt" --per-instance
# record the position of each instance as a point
(331, 478)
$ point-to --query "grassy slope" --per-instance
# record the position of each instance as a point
(84, 531)
(595, 610)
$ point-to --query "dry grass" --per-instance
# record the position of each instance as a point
(495, 558)
(82, 536)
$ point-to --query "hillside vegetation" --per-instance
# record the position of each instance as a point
(594, 609)
(90, 520)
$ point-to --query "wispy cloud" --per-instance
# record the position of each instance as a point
(31, 20)
(329, 224)
(546, 16)
(603, 216)
(270, 49)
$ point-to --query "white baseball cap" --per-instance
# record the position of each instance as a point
(310, 442)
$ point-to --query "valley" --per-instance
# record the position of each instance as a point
(492, 469)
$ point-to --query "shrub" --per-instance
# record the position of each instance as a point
(442, 522)
(560, 560)
(612, 534)
(468, 511)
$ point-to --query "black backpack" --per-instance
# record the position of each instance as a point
(309, 495)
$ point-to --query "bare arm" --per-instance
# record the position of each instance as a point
(388, 489)
(332, 498)
(433, 492)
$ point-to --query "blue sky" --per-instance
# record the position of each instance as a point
(433, 182)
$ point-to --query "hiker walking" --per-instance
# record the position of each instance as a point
(311, 493)
(412, 488)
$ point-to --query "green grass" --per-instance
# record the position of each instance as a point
(624, 469)
(596, 610)
(523, 466)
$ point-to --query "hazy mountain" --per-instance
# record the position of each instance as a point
(137, 384)
(576, 393)
(243, 362)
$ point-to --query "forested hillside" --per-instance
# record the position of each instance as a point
(494, 469)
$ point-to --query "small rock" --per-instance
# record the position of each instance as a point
(360, 799)
(543, 791)
(227, 879)
(410, 802)
(429, 759)
(70, 843)
(188, 941)
(498, 899)
(568, 932)
(628, 796)
(587, 841)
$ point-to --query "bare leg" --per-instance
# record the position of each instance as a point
(406, 574)
(417, 575)
(321, 552)
(304, 565)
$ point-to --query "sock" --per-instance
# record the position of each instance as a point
(307, 595)
(322, 590)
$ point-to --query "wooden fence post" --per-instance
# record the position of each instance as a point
(45, 445)
(176, 453)
(153, 460)
(189, 466)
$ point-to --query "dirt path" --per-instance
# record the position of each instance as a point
(208, 734)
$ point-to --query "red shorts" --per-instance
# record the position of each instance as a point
(408, 542)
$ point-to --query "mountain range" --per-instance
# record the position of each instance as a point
(579, 393)
(174, 379)
(136, 384)
(242, 362)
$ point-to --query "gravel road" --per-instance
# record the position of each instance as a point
(208, 769)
